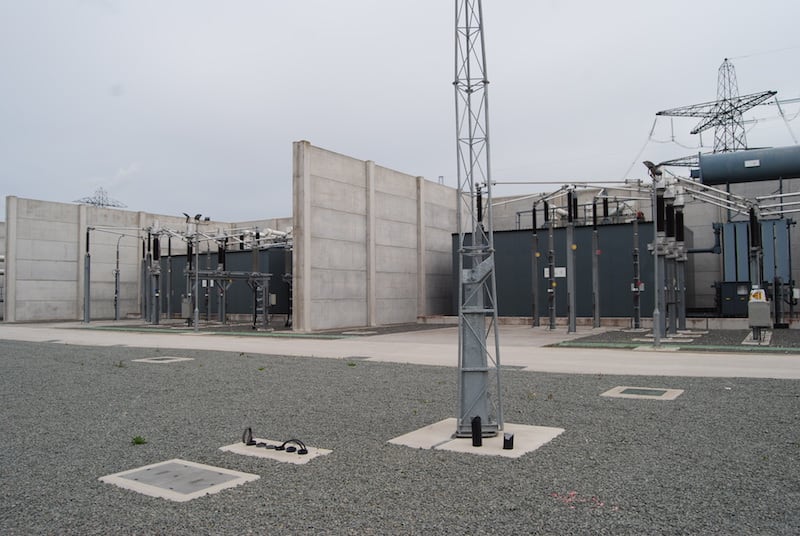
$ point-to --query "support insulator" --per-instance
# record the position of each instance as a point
(221, 254)
(670, 220)
(574, 207)
(755, 229)
(660, 213)
(570, 215)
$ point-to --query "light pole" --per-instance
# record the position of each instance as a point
(196, 279)
(658, 222)
(193, 236)
(116, 282)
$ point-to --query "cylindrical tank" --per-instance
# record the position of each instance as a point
(750, 165)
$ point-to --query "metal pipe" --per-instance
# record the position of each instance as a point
(197, 284)
(595, 277)
(690, 183)
(156, 276)
(534, 270)
(168, 289)
(116, 282)
(656, 285)
(87, 300)
(776, 196)
(570, 278)
(551, 272)
(779, 205)
(727, 207)
(637, 314)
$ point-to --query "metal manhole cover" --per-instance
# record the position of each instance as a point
(178, 480)
(643, 392)
(163, 359)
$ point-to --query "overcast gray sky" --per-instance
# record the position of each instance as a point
(179, 106)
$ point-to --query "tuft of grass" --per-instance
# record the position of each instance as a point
(138, 440)
(351, 364)
(119, 364)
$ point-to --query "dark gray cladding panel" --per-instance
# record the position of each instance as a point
(513, 263)
(751, 165)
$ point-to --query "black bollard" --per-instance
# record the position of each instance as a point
(477, 438)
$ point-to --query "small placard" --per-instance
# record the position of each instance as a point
(752, 163)
(560, 271)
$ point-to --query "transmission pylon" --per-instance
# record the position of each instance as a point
(724, 115)
(100, 199)
(479, 405)
(729, 135)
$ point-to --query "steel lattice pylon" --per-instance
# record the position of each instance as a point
(478, 339)
(729, 133)
(723, 114)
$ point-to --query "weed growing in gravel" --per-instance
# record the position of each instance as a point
(351, 364)
(120, 365)
(138, 440)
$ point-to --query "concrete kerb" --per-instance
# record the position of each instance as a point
(522, 347)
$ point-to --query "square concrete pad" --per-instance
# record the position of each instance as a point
(272, 454)
(643, 393)
(439, 436)
(178, 480)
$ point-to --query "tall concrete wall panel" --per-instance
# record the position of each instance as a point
(362, 234)
(339, 285)
(338, 255)
(2, 268)
(336, 225)
(46, 254)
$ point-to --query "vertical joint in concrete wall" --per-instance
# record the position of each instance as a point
(80, 277)
(422, 297)
(301, 221)
(10, 303)
(369, 169)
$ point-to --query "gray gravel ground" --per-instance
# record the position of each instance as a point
(721, 459)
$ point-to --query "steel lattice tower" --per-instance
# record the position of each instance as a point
(100, 199)
(729, 133)
(723, 114)
(478, 340)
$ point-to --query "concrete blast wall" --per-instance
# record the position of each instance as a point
(45, 251)
(2, 267)
(45, 248)
(371, 245)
